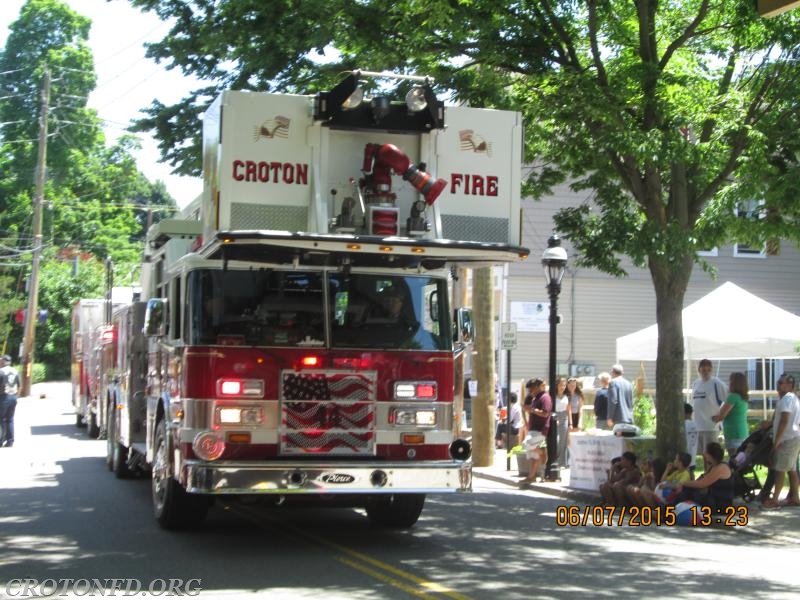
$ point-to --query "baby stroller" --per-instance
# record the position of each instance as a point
(753, 451)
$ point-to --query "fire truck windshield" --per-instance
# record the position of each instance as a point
(270, 307)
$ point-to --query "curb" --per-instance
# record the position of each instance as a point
(557, 491)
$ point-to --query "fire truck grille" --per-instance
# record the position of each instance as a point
(258, 216)
(479, 229)
(328, 412)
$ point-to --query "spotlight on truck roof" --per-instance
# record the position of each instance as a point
(415, 99)
(354, 100)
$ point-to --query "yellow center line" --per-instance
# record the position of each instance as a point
(382, 577)
(428, 586)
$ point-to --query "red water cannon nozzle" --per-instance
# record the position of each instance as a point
(429, 187)
(390, 156)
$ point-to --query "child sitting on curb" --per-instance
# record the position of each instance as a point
(676, 473)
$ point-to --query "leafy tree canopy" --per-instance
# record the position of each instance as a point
(95, 198)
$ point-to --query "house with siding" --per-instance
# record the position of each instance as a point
(596, 308)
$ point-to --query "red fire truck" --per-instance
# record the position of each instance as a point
(87, 317)
(92, 354)
(295, 338)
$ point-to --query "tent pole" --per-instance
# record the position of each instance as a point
(688, 382)
(764, 386)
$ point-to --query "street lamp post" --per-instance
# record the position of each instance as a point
(554, 261)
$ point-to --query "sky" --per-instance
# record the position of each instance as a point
(127, 81)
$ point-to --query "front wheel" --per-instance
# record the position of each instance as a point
(92, 428)
(110, 439)
(174, 508)
(396, 510)
(117, 454)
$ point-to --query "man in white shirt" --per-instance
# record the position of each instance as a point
(9, 388)
(708, 395)
(786, 442)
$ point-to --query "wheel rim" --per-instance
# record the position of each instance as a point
(160, 472)
(110, 435)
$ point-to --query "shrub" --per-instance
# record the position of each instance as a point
(518, 449)
(644, 414)
(38, 373)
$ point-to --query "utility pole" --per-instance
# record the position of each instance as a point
(31, 315)
(483, 369)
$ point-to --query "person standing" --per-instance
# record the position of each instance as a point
(539, 412)
(601, 401)
(733, 414)
(786, 443)
(9, 388)
(530, 393)
(708, 394)
(575, 393)
(620, 398)
(562, 420)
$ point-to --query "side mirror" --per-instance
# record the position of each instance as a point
(464, 326)
(155, 322)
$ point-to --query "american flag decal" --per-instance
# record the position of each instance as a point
(328, 412)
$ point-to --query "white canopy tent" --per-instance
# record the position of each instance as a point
(728, 323)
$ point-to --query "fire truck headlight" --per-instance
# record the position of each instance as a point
(208, 445)
(413, 416)
(426, 417)
(239, 415)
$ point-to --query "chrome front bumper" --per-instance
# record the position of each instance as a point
(296, 477)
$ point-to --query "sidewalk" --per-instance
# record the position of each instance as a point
(498, 472)
(782, 523)
(50, 389)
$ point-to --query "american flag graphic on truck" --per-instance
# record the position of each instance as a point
(328, 412)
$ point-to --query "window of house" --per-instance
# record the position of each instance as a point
(751, 209)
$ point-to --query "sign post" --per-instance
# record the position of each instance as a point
(508, 342)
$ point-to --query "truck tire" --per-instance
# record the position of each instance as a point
(92, 428)
(112, 433)
(116, 453)
(173, 507)
(396, 510)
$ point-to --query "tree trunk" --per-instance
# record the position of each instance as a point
(670, 282)
(483, 369)
(459, 376)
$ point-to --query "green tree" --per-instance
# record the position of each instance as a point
(96, 199)
(670, 112)
(62, 282)
(48, 35)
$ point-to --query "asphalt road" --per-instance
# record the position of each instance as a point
(64, 516)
